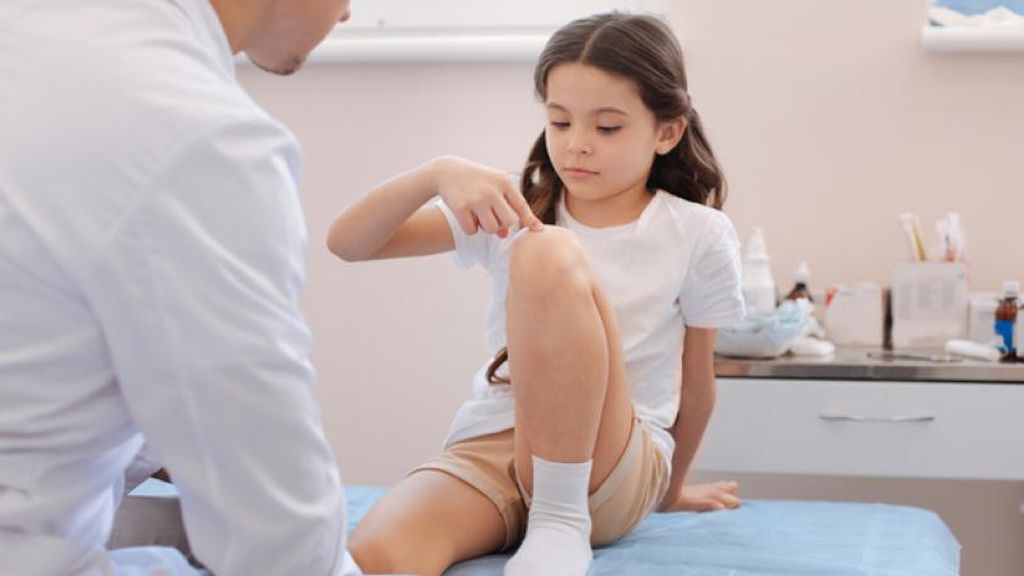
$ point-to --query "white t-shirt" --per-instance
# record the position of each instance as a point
(152, 256)
(677, 265)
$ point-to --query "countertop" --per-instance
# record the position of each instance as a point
(866, 364)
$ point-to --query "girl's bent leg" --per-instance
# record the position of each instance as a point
(426, 523)
(573, 410)
(565, 358)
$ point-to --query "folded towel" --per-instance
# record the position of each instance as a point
(766, 335)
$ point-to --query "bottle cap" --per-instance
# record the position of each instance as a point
(755, 245)
(802, 274)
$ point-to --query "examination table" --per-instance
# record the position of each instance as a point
(762, 538)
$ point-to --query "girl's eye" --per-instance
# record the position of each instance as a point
(559, 125)
(608, 129)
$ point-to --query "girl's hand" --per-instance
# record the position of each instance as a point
(481, 198)
(702, 498)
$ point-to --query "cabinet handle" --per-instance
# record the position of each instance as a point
(859, 418)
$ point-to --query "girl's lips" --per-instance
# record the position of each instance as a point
(579, 172)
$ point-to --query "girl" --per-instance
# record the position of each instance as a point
(610, 272)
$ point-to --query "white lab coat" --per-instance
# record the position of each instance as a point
(151, 260)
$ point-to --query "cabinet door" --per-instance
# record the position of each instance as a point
(932, 430)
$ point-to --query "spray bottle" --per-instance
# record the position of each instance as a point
(758, 284)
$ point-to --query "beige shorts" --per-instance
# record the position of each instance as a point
(627, 496)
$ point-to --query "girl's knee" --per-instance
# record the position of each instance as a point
(382, 556)
(540, 261)
(372, 558)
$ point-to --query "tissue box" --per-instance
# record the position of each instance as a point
(855, 315)
(929, 304)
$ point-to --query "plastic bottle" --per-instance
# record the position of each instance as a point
(1006, 319)
(800, 290)
(758, 285)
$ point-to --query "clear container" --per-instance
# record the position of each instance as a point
(981, 311)
(1019, 336)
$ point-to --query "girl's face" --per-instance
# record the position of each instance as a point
(600, 135)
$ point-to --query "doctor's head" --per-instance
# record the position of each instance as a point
(278, 35)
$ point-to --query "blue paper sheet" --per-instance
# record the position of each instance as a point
(763, 538)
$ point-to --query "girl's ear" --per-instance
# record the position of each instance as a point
(669, 134)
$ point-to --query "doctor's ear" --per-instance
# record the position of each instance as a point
(670, 133)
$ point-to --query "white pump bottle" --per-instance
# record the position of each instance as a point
(758, 284)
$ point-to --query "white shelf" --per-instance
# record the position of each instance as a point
(428, 47)
(458, 30)
(953, 39)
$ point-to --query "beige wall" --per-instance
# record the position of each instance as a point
(829, 120)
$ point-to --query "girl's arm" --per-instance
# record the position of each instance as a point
(391, 221)
(696, 403)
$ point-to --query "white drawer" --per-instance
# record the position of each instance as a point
(927, 430)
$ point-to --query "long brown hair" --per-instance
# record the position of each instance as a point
(641, 48)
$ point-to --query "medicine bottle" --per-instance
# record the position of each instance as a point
(1006, 320)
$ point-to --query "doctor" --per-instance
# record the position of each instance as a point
(151, 261)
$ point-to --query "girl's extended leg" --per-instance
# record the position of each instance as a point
(426, 523)
(573, 407)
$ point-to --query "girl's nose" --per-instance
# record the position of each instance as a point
(579, 143)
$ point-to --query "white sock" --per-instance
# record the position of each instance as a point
(557, 539)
